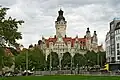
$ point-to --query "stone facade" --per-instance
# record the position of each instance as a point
(61, 43)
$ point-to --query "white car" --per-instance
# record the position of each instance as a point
(27, 72)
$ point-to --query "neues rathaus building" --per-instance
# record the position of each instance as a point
(61, 43)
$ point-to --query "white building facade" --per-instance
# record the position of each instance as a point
(112, 42)
(117, 42)
(61, 43)
(108, 48)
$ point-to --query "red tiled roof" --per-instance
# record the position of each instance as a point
(67, 39)
(50, 40)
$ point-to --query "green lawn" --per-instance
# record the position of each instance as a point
(63, 77)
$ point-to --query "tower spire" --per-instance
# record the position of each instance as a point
(60, 16)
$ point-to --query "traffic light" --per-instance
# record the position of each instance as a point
(106, 67)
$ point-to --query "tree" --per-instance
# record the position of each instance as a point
(66, 60)
(102, 58)
(14, 51)
(8, 61)
(79, 60)
(54, 60)
(91, 58)
(20, 61)
(2, 52)
(9, 29)
(36, 59)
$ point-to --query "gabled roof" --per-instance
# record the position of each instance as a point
(81, 41)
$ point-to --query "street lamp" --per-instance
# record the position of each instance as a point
(98, 59)
(2, 65)
(77, 69)
(50, 61)
(27, 63)
(71, 65)
(60, 58)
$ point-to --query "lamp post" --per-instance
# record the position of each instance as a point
(50, 61)
(71, 65)
(2, 65)
(77, 69)
(27, 63)
(97, 58)
(60, 58)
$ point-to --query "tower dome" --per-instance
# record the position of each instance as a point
(60, 17)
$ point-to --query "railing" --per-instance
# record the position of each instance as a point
(68, 72)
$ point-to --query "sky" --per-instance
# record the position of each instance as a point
(40, 17)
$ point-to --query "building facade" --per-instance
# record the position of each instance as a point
(112, 42)
(61, 43)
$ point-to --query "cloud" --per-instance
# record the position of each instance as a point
(39, 17)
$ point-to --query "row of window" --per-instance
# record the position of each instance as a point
(60, 22)
(117, 32)
(117, 38)
(108, 50)
(60, 50)
(118, 58)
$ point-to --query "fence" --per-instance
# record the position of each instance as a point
(73, 72)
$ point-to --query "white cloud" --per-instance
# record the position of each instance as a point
(39, 17)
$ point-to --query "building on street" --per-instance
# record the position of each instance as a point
(62, 43)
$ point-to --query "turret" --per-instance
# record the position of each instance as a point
(88, 39)
(88, 35)
(60, 24)
(94, 38)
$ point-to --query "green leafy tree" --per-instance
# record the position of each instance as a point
(8, 61)
(36, 59)
(2, 52)
(102, 58)
(20, 60)
(66, 60)
(91, 58)
(79, 60)
(14, 51)
(54, 60)
(9, 29)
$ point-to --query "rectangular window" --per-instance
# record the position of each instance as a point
(118, 52)
(118, 58)
(117, 45)
(113, 59)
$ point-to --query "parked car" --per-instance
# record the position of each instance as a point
(27, 72)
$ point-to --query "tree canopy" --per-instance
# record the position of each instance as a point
(66, 60)
(79, 60)
(9, 29)
(54, 60)
(91, 58)
(36, 59)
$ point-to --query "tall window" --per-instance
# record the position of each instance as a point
(118, 58)
(117, 45)
(118, 52)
